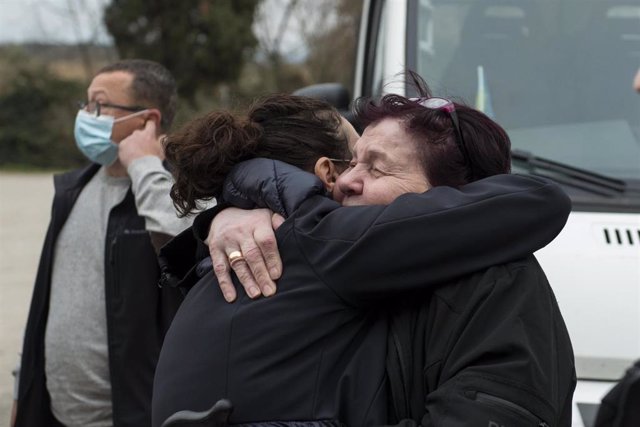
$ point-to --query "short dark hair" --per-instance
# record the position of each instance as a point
(294, 129)
(152, 86)
(443, 163)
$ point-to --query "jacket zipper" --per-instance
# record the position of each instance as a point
(112, 264)
(496, 401)
(403, 399)
(134, 232)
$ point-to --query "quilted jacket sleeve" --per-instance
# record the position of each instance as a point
(419, 241)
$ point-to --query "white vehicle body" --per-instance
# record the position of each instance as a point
(594, 264)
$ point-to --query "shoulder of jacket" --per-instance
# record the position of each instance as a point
(75, 178)
(459, 294)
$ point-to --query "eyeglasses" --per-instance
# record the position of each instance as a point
(448, 106)
(339, 160)
(94, 107)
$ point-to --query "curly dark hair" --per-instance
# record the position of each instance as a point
(293, 129)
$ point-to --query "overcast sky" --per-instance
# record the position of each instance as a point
(73, 21)
(56, 21)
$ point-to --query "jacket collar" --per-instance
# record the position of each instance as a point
(77, 178)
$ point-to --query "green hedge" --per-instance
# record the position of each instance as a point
(37, 113)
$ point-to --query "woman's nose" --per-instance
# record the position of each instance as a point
(349, 183)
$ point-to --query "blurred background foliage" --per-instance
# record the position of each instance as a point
(223, 53)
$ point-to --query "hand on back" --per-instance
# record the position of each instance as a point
(251, 233)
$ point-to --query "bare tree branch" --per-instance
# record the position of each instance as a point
(83, 49)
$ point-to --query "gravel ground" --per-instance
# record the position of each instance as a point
(25, 206)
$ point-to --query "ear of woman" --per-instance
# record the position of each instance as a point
(326, 170)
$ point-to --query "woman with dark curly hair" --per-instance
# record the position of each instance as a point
(303, 132)
(314, 353)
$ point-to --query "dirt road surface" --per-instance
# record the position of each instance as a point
(25, 206)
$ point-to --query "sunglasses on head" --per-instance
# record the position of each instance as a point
(443, 104)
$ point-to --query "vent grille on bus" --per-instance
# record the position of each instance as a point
(622, 236)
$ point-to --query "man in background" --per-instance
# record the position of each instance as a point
(97, 316)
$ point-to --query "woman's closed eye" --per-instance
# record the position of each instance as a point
(376, 172)
(369, 167)
(376, 168)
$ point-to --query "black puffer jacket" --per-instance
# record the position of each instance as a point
(317, 349)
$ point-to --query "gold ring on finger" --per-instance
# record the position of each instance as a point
(235, 257)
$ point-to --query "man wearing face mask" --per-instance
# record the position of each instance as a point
(97, 316)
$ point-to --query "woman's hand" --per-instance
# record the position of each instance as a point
(251, 233)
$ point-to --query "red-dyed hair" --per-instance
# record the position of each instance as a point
(487, 143)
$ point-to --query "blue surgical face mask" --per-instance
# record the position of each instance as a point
(93, 136)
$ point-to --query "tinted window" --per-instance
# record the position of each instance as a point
(556, 73)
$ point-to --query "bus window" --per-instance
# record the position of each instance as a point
(556, 74)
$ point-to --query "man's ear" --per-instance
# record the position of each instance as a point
(327, 172)
(155, 115)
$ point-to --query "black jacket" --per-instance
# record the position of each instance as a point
(317, 349)
(138, 311)
(489, 349)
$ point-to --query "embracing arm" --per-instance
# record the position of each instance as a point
(251, 230)
(422, 240)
